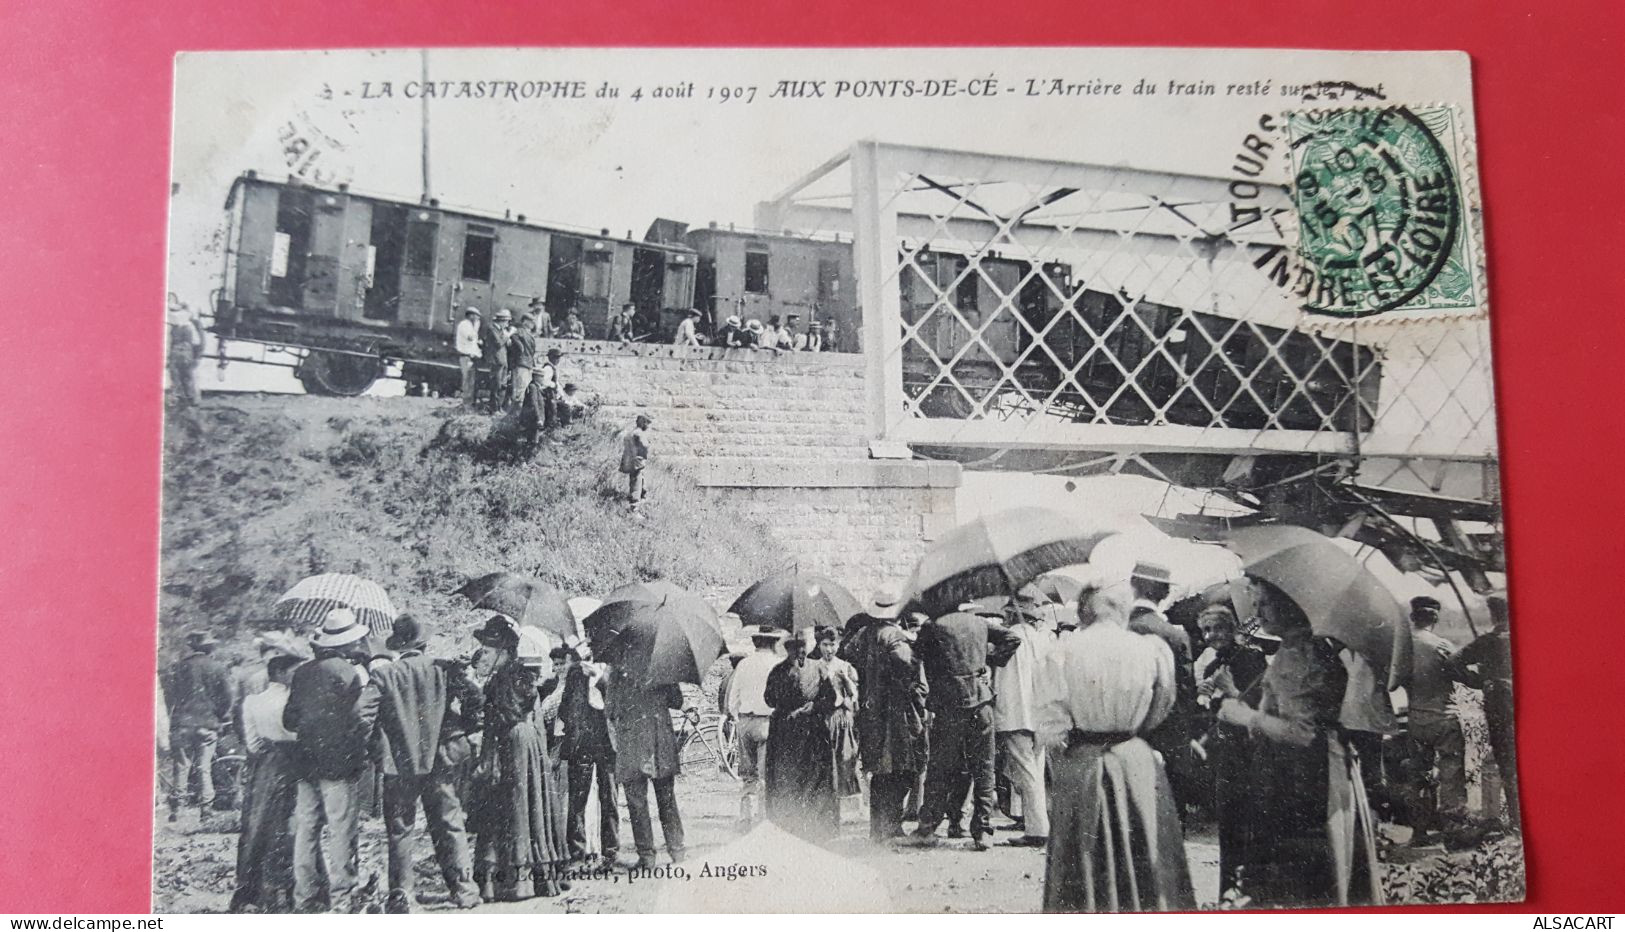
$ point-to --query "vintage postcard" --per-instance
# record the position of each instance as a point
(810, 480)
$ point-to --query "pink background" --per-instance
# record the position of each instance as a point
(86, 89)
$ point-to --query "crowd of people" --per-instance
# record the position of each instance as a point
(499, 361)
(502, 751)
(1087, 724)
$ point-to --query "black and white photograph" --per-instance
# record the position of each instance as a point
(829, 480)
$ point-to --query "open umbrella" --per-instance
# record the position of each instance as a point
(527, 601)
(674, 640)
(999, 553)
(581, 606)
(1342, 599)
(795, 601)
(311, 598)
(654, 590)
(1058, 587)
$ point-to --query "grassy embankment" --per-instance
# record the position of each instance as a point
(260, 493)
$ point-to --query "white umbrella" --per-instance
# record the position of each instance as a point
(581, 606)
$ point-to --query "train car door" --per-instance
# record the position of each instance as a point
(1001, 330)
(648, 290)
(679, 291)
(597, 284)
(290, 247)
(418, 265)
(756, 297)
(387, 257)
(563, 275)
(473, 286)
(322, 262)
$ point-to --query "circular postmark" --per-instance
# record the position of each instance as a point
(1377, 203)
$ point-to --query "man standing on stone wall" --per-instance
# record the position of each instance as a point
(634, 458)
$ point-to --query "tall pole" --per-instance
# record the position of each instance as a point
(425, 142)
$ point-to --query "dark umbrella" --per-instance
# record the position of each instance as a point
(674, 640)
(655, 590)
(999, 553)
(796, 601)
(527, 601)
(1342, 598)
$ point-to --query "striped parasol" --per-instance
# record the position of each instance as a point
(311, 598)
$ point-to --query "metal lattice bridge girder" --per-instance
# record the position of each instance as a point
(1015, 303)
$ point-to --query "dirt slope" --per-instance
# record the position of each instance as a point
(260, 491)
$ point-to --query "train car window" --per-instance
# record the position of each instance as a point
(829, 280)
(479, 245)
(421, 236)
(281, 244)
(966, 293)
(756, 270)
(595, 270)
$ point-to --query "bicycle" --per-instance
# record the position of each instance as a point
(706, 737)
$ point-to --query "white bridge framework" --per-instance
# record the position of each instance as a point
(1115, 314)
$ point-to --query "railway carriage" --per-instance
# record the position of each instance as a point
(351, 282)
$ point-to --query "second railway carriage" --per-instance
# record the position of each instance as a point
(752, 274)
(1151, 361)
(352, 281)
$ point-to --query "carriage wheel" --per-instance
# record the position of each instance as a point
(338, 373)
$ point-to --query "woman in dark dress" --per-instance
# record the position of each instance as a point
(1312, 841)
(519, 848)
(800, 761)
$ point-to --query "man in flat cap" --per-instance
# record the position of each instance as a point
(494, 358)
(426, 745)
(200, 696)
(1438, 749)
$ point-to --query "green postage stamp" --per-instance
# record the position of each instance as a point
(1384, 216)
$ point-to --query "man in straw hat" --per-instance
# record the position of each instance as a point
(426, 746)
(748, 707)
(1151, 584)
(332, 708)
(891, 709)
(200, 698)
